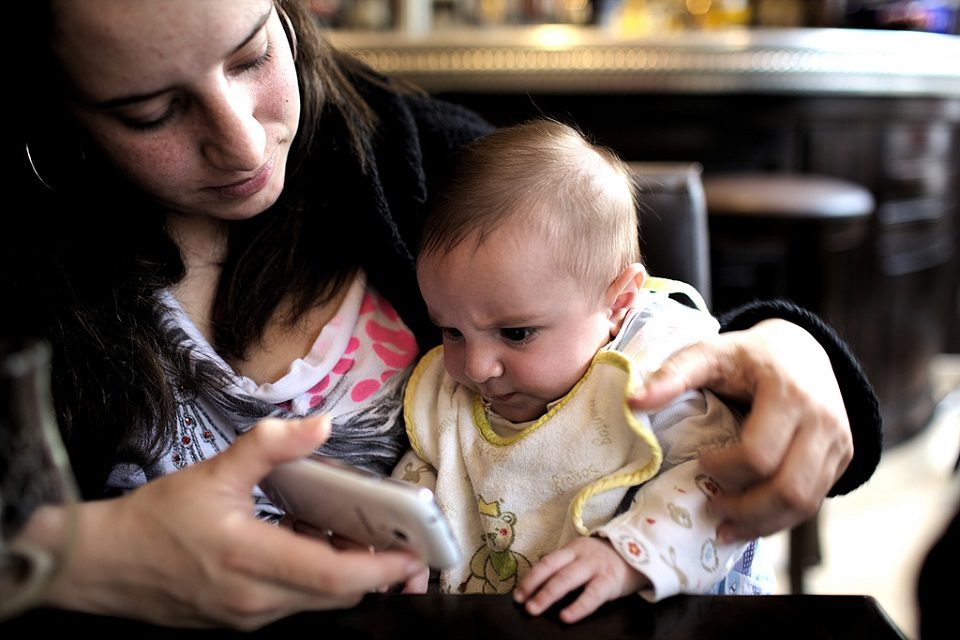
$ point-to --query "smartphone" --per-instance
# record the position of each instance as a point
(367, 508)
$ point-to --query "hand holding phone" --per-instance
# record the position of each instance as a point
(374, 510)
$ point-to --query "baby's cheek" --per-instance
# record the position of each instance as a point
(453, 363)
(556, 374)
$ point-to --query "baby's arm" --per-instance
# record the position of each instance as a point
(669, 517)
(669, 534)
(669, 530)
(664, 545)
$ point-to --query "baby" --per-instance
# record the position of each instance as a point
(520, 421)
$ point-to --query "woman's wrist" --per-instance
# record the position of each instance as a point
(860, 400)
(80, 535)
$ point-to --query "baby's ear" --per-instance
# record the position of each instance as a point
(622, 293)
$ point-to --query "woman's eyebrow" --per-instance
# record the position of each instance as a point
(113, 103)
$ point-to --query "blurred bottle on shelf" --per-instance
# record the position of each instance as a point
(935, 16)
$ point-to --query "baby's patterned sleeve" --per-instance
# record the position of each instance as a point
(669, 533)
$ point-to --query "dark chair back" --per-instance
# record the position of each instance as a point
(674, 235)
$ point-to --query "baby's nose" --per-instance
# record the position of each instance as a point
(481, 365)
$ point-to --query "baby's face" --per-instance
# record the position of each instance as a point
(515, 328)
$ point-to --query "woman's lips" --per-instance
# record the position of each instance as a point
(249, 186)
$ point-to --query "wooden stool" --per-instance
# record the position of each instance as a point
(777, 235)
(774, 235)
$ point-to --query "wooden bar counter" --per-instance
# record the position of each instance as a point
(496, 616)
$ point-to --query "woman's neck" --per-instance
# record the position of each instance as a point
(202, 240)
(203, 247)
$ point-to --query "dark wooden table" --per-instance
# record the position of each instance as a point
(498, 618)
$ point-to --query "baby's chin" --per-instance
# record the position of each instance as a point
(517, 414)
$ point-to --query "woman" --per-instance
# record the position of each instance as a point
(268, 193)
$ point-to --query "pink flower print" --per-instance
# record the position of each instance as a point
(316, 392)
(392, 358)
(387, 310)
(344, 365)
(352, 345)
(320, 386)
(367, 305)
(402, 349)
(363, 390)
(396, 348)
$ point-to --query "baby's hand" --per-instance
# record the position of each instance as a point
(588, 562)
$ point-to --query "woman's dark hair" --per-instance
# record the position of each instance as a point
(89, 253)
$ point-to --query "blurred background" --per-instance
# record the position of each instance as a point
(866, 92)
(644, 15)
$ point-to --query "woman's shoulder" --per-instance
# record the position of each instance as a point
(448, 119)
(399, 104)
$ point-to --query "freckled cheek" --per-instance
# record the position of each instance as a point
(279, 101)
(155, 166)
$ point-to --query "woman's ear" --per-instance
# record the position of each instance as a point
(622, 294)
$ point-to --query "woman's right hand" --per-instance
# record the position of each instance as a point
(796, 440)
(186, 549)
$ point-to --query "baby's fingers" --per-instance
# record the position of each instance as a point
(541, 572)
(562, 574)
(594, 594)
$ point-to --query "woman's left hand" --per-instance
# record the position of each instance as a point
(795, 442)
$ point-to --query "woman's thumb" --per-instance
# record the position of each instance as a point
(272, 442)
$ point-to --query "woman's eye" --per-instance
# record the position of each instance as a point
(259, 61)
(150, 123)
(520, 335)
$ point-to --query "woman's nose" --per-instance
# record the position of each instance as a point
(235, 140)
(480, 364)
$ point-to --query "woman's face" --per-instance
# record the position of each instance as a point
(195, 102)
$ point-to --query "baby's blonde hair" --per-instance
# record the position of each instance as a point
(578, 195)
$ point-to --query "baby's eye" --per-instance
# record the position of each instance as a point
(449, 333)
(520, 335)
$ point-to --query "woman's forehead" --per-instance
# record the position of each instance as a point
(111, 46)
